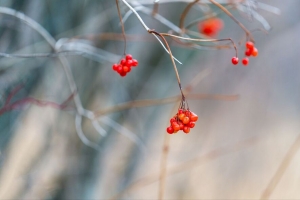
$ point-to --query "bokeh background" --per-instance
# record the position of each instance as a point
(244, 146)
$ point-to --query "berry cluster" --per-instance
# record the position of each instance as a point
(183, 120)
(211, 27)
(251, 50)
(125, 65)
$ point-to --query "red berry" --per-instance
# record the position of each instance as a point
(170, 130)
(186, 129)
(115, 67)
(126, 69)
(193, 117)
(249, 45)
(120, 69)
(129, 63)
(128, 57)
(181, 116)
(191, 124)
(181, 125)
(134, 62)
(248, 52)
(180, 111)
(186, 120)
(123, 62)
(175, 126)
(254, 52)
(210, 27)
(245, 61)
(235, 60)
(172, 120)
(123, 74)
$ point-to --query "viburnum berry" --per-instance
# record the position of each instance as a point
(186, 129)
(185, 120)
(254, 52)
(115, 67)
(211, 27)
(249, 45)
(191, 124)
(128, 57)
(248, 52)
(170, 130)
(245, 61)
(134, 62)
(235, 60)
(123, 62)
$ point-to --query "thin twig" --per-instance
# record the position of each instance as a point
(123, 29)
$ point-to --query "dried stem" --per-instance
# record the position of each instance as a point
(171, 56)
(184, 14)
(123, 29)
(281, 169)
(154, 102)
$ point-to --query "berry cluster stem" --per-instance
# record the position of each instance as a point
(171, 55)
(123, 29)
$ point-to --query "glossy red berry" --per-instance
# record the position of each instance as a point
(249, 45)
(115, 67)
(235, 60)
(181, 125)
(126, 69)
(185, 120)
(123, 74)
(120, 69)
(180, 111)
(181, 116)
(134, 62)
(123, 62)
(170, 130)
(191, 124)
(129, 63)
(172, 120)
(254, 52)
(186, 129)
(245, 61)
(248, 52)
(128, 57)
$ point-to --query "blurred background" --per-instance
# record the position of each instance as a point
(245, 143)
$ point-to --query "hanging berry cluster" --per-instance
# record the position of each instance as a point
(183, 120)
(125, 65)
(251, 50)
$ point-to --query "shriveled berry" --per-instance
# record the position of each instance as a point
(191, 124)
(245, 61)
(254, 52)
(134, 62)
(249, 45)
(186, 129)
(170, 130)
(185, 120)
(235, 60)
(128, 57)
